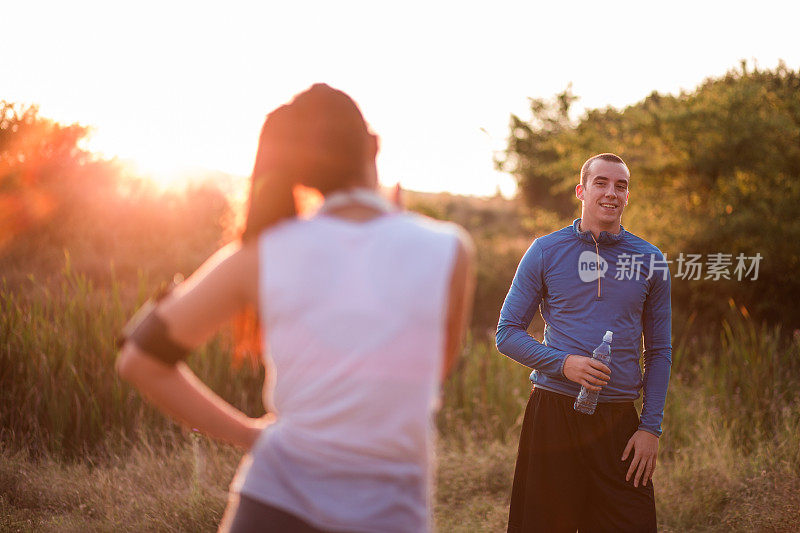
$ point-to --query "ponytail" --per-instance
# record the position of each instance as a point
(270, 198)
(319, 140)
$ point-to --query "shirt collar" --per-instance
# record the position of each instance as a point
(605, 237)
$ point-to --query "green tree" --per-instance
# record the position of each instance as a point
(714, 170)
(539, 151)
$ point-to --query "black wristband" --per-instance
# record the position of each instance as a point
(150, 333)
(152, 336)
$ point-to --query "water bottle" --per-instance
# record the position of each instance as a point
(586, 402)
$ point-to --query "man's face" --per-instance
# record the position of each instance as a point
(606, 193)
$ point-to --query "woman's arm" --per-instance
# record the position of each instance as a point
(178, 392)
(462, 292)
(193, 312)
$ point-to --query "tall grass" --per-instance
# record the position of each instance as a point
(484, 397)
(729, 455)
(745, 377)
(60, 393)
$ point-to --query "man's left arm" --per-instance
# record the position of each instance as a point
(657, 358)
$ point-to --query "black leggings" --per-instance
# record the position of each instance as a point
(252, 516)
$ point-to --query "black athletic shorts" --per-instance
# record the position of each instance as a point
(569, 474)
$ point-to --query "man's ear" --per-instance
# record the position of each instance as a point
(627, 195)
(579, 192)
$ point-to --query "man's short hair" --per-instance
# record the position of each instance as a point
(605, 157)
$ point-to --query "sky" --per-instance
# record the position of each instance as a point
(171, 86)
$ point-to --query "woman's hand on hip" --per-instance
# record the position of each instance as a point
(254, 428)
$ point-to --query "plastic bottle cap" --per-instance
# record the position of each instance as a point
(608, 336)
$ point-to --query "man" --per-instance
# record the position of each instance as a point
(577, 471)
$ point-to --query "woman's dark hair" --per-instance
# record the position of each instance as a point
(318, 140)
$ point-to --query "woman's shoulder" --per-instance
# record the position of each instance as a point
(432, 225)
(285, 229)
(439, 234)
(444, 227)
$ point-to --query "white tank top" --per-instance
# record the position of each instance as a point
(354, 316)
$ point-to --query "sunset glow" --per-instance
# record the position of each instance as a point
(185, 85)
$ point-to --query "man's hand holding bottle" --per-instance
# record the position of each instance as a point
(586, 371)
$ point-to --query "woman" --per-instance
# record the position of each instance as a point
(362, 308)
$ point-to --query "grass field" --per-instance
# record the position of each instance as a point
(81, 451)
(183, 488)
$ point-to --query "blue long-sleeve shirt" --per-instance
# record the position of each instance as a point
(584, 287)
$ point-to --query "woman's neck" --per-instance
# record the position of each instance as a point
(357, 204)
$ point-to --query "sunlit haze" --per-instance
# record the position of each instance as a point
(185, 85)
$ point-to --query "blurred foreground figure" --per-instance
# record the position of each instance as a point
(576, 471)
(362, 308)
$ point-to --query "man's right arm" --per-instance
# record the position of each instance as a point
(520, 306)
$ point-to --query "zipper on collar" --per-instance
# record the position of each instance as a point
(597, 262)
